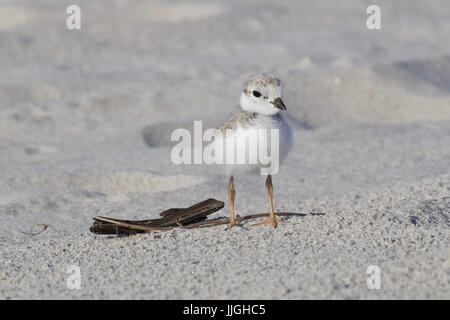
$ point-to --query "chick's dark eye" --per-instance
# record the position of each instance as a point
(257, 93)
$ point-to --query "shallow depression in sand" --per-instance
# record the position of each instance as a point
(371, 95)
(122, 182)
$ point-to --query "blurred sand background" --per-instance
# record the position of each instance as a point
(85, 123)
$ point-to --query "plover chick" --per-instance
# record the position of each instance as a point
(261, 106)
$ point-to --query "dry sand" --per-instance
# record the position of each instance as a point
(85, 123)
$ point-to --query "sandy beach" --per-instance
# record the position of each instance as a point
(85, 123)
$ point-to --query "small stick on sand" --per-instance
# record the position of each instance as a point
(175, 217)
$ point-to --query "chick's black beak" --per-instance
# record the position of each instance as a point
(278, 103)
